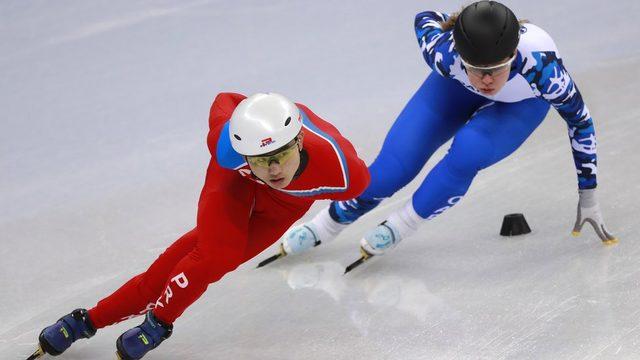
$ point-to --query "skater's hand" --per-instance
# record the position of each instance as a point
(589, 211)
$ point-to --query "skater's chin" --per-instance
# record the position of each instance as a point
(278, 182)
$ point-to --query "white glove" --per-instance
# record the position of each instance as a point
(589, 211)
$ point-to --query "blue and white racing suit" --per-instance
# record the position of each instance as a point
(486, 129)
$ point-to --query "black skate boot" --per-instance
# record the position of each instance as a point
(135, 343)
(57, 338)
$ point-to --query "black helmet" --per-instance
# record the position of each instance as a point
(486, 32)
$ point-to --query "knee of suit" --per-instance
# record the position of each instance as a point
(470, 152)
(150, 287)
(216, 273)
(211, 272)
(388, 175)
(214, 266)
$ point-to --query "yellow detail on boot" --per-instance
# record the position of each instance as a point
(64, 332)
(575, 233)
(282, 252)
(610, 242)
(144, 339)
(364, 253)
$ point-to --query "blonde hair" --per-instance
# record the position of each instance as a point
(450, 23)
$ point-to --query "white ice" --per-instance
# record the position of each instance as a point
(103, 118)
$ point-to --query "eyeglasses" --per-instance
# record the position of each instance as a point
(493, 70)
(281, 157)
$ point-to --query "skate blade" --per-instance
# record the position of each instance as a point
(37, 354)
(269, 260)
(364, 257)
(273, 258)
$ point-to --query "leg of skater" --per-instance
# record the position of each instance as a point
(134, 298)
(491, 135)
(222, 235)
(430, 118)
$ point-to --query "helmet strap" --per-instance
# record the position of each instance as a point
(304, 160)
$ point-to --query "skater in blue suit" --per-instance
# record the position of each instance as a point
(493, 81)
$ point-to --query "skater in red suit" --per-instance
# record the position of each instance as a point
(270, 160)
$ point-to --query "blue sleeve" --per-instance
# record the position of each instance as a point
(225, 155)
(436, 45)
(550, 78)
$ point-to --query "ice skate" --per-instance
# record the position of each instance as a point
(137, 342)
(376, 242)
(57, 338)
(321, 229)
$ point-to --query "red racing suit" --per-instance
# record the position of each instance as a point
(238, 217)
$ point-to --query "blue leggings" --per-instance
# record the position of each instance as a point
(485, 133)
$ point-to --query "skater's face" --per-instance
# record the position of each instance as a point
(489, 79)
(278, 168)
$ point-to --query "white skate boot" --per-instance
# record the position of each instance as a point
(321, 229)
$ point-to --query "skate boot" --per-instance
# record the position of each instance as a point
(321, 229)
(380, 239)
(135, 343)
(57, 338)
(401, 224)
(301, 238)
(376, 242)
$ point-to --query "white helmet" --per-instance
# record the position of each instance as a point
(263, 123)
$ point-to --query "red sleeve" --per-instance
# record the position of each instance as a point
(223, 218)
(221, 110)
(225, 201)
(358, 171)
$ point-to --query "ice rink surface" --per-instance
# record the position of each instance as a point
(104, 108)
